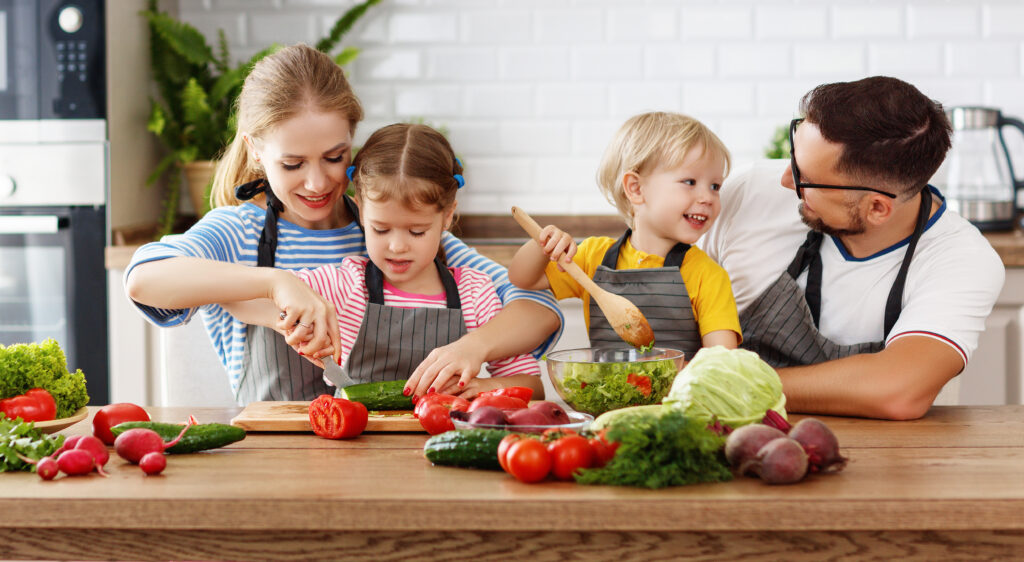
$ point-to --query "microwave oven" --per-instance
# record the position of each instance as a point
(52, 59)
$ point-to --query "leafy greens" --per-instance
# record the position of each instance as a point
(24, 439)
(25, 366)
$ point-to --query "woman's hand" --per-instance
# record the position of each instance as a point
(453, 365)
(308, 321)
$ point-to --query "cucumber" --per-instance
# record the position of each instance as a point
(385, 395)
(470, 448)
(198, 437)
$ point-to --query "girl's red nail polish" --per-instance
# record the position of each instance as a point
(415, 399)
(462, 383)
(431, 390)
(406, 391)
(302, 354)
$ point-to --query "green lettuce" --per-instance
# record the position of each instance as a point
(596, 388)
(733, 386)
(42, 365)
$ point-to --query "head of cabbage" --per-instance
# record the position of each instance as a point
(733, 385)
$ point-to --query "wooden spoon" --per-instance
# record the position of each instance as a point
(626, 319)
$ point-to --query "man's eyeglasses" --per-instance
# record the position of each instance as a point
(803, 185)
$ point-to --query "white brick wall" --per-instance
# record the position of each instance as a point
(532, 90)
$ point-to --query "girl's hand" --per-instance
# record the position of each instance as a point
(557, 244)
(453, 365)
(308, 321)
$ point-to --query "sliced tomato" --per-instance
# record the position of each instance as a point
(447, 400)
(337, 418)
(500, 402)
(641, 382)
(523, 393)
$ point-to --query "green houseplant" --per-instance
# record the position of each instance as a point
(193, 113)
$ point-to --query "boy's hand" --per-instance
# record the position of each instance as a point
(557, 245)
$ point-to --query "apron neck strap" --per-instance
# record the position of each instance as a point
(673, 259)
(894, 304)
(268, 238)
(375, 284)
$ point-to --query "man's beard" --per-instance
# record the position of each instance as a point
(856, 225)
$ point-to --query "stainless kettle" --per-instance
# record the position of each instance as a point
(977, 176)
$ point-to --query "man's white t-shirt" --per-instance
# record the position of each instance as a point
(954, 278)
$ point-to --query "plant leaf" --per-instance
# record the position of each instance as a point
(347, 55)
(343, 25)
(161, 168)
(182, 37)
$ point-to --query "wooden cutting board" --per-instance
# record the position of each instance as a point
(294, 416)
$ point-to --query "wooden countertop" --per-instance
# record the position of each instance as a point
(948, 485)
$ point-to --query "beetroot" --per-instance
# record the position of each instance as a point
(780, 461)
(820, 444)
(744, 443)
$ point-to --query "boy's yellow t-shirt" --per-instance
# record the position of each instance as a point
(706, 282)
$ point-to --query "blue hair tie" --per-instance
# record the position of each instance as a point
(461, 180)
(350, 171)
(457, 161)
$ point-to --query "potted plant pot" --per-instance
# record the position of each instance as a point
(199, 176)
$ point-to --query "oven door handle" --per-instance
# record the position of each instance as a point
(35, 224)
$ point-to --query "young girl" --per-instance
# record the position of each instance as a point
(296, 117)
(662, 172)
(403, 301)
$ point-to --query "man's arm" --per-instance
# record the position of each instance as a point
(898, 383)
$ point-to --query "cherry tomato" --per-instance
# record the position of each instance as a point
(500, 402)
(604, 450)
(569, 454)
(528, 460)
(503, 448)
(435, 419)
(641, 382)
(113, 414)
(45, 401)
(447, 400)
(523, 393)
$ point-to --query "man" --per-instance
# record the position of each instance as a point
(865, 291)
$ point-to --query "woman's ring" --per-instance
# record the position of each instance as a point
(284, 315)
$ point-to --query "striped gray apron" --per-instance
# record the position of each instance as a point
(781, 325)
(271, 369)
(393, 341)
(659, 293)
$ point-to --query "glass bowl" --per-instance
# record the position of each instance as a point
(577, 422)
(598, 379)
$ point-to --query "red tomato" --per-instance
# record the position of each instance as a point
(570, 454)
(113, 414)
(25, 407)
(447, 400)
(523, 393)
(553, 433)
(500, 402)
(337, 418)
(45, 401)
(604, 451)
(503, 448)
(435, 419)
(641, 382)
(528, 460)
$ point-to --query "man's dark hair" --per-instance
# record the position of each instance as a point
(891, 133)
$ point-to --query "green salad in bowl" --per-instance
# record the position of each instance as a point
(595, 380)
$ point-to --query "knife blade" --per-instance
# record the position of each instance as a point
(338, 376)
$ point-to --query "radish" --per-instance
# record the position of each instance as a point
(744, 443)
(67, 445)
(135, 443)
(75, 462)
(47, 468)
(781, 461)
(821, 445)
(153, 463)
(97, 449)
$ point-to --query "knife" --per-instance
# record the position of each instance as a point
(339, 377)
